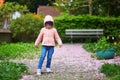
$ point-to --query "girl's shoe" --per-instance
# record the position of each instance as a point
(48, 70)
(38, 71)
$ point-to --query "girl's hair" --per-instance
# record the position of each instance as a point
(49, 23)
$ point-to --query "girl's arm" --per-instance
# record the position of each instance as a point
(57, 38)
(39, 38)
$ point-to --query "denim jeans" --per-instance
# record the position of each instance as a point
(46, 50)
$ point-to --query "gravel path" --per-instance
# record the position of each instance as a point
(71, 62)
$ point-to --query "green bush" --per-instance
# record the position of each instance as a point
(17, 50)
(117, 77)
(12, 71)
(26, 28)
(103, 44)
(117, 49)
(110, 70)
(110, 25)
(91, 47)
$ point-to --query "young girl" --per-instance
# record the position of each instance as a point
(47, 35)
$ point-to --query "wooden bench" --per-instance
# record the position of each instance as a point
(84, 33)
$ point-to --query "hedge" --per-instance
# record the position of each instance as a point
(110, 25)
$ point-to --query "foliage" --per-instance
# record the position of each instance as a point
(106, 7)
(32, 4)
(8, 8)
(12, 71)
(26, 28)
(117, 49)
(102, 44)
(17, 50)
(110, 25)
(110, 70)
(90, 47)
(97, 7)
(75, 7)
(117, 77)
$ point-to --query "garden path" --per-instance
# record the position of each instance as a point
(71, 62)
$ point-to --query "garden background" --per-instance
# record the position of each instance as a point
(74, 14)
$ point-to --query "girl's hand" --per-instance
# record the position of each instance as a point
(59, 46)
(36, 46)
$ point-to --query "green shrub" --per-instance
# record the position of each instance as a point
(117, 77)
(103, 44)
(17, 50)
(91, 47)
(110, 70)
(26, 28)
(12, 71)
(110, 25)
(117, 49)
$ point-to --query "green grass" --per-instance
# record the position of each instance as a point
(12, 71)
(18, 50)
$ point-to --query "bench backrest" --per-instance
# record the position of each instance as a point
(84, 32)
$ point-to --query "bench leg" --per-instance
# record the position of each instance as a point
(71, 39)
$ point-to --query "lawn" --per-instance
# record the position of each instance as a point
(18, 50)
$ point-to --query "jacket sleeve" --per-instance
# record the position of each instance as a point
(57, 38)
(39, 38)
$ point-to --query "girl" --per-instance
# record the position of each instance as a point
(47, 36)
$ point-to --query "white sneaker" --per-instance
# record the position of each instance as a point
(48, 70)
(38, 71)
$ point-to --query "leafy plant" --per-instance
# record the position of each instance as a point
(12, 71)
(110, 70)
(102, 44)
(117, 49)
(90, 47)
(117, 77)
(26, 28)
(17, 50)
(7, 9)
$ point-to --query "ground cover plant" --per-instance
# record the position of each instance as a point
(18, 50)
(93, 47)
(12, 71)
(111, 70)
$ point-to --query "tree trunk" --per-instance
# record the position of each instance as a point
(90, 7)
(5, 23)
